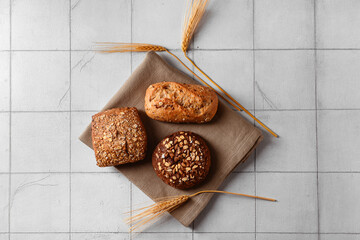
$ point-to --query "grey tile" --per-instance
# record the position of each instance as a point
(39, 203)
(40, 81)
(295, 149)
(96, 236)
(337, 24)
(232, 70)
(98, 202)
(4, 142)
(40, 24)
(83, 157)
(40, 236)
(339, 236)
(238, 211)
(99, 21)
(337, 140)
(96, 77)
(232, 20)
(4, 203)
(224, 236)
(156, 236)
(339, 202)
(4, 236)
(40, 142)
(282, 236)
(138, 57)
(296, 209)
(5, 25)
(284, 24)
(338, 79)
(4, 81)
(162, 28)
(285, 79)
(166, 223)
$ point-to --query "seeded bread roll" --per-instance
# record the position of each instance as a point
(182, 160)
(118, 137)
(180, 103)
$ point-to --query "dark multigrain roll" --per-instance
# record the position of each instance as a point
(118, 137)
(182, 160)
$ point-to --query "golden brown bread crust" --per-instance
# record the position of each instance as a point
(118, 137)
(180, 103)
(182, 160)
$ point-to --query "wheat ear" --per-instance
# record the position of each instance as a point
(153, 212)
(194, 13)
(111, 47)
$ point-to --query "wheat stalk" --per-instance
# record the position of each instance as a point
(194, 13)
(239, 106)
(153, 212)
(111, 47)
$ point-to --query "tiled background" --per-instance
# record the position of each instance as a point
(295, 64)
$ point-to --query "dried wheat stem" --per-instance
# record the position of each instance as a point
(156, 210)
(238, 194)
(221, 96)
(237, 103)
(194, 13)
(110, 47)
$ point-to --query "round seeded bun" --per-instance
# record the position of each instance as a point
(182, 160)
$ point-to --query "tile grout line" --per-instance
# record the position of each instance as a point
(254, 107)
(250, 109)
(197, 49)
(235, 172)
(110, 232)
(193, 77)
(193, 69)
(316, 125)
(10, 119)
(131, 70)
(70, 115)
(229, 232)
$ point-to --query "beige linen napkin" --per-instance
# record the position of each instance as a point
(230, 137)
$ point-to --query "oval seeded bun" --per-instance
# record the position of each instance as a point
(180, 103)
